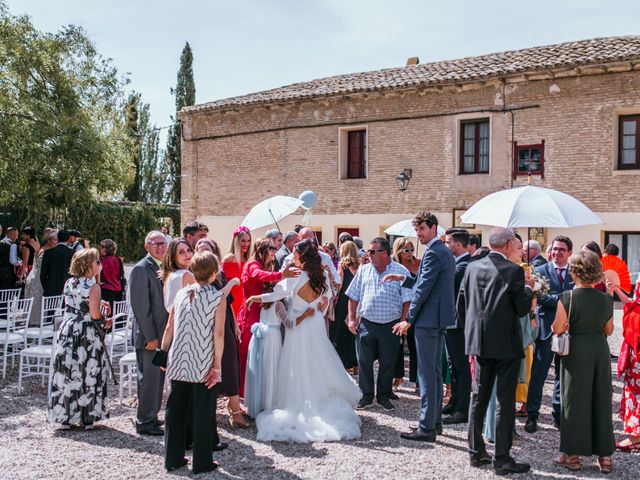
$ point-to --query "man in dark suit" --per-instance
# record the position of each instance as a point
(149, 321)
(495, 297)
(533, 253)
(560, 280)
(431, 311)
(289, 241)
(457, 241)
(56, 261)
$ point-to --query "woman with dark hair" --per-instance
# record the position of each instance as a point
(257, 272)
(174, 272)
(112, 275)
(314, 395)
(29, 246)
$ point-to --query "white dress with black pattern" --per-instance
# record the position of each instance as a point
(79, 384)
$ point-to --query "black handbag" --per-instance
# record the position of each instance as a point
(160, 358)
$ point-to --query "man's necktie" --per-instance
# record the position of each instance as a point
(560, 272)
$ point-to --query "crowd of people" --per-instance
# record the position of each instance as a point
(282, 327)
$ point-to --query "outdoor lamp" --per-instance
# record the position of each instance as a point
(403, 179)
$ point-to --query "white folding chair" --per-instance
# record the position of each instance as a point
(51, 311)
(5, 297)
(12, 338)
(37, 361)
(128, 374)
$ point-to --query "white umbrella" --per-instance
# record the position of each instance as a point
(269, 211)
(404, 228)
(530, 207)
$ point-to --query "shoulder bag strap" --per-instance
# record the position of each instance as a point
(570, 305)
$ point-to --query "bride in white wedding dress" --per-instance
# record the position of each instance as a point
(314, 396)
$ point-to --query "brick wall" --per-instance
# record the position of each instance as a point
(224, 174)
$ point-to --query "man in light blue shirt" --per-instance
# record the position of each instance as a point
(378, 307)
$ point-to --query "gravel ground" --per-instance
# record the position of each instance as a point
(32, 449)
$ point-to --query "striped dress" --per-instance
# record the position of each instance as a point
(191, 352)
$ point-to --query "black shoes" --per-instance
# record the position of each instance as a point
(448, 409)
(221, 446)
(154, 431)
(480, 460)
(531, 426)
(393, 396)
(364, 403)
(386, 404)
(175, 467)
(511, 466)
(420, 435)
(457, 417)
(213, 466)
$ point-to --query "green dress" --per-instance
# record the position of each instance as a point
(585, 377)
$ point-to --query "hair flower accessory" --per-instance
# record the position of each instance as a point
(239, 230)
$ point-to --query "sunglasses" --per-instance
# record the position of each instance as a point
(373, 252)
(408, 250)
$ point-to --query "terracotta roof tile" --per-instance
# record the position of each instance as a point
(570, 54)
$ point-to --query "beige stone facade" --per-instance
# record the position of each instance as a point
(234, 156)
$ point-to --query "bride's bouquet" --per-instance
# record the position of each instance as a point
(541, 285)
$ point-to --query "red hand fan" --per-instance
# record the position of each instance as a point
(617, 272)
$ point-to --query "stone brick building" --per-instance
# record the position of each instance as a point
(568, 114)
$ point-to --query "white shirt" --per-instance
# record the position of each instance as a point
(326, 261)
(13, 255)
(460, 256)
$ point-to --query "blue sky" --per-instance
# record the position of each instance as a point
(244, 46)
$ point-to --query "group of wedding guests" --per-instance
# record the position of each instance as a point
(280, 323)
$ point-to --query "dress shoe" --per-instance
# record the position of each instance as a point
(420, 435)
(154, 431)
(364, 403)
(480, 460)
(510, 466)
(448, 409)
(221, 446)
(175, 467)
(386, 404)
(416, 426)
(213, 466)
(531, 426)
(457, 417)
(393, 396)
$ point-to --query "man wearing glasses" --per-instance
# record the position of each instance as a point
(379, 307)
(558, 274)
(149, 321)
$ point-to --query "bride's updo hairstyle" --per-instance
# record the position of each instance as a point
(312, 264)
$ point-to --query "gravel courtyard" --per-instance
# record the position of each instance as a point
(32, 449)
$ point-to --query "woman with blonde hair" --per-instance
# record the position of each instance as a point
(342, 339)
(585, 373)
(404, 254)
(233, 263)
(79, 380)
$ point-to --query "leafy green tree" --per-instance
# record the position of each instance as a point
(62, 135)
(135, 127)
(185, 94)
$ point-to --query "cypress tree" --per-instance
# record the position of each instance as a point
(185, 95)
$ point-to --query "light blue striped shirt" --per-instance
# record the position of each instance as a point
(379, 303)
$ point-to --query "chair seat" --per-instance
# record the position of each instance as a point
(34, 332)
(44, 351)
(12, 338)
(115, 337)
(129, 358)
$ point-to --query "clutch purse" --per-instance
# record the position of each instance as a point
(560, 343)
(160, 358)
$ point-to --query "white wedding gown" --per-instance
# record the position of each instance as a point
(314, 396)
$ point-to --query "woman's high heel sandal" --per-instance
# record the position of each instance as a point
(237, 419)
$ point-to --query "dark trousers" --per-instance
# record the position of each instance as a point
(460, 370)
(195, 403)
(542, 358)
(429, 342)
(111, 296)
(150, 386)
(487, 370)
(410, 341)
(376, 341)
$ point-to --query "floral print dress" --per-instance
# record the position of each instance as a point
(79, 384)
(630, 403)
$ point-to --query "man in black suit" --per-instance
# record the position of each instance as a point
(533, 253)
(457, 240)
(149, 321)
(56, 261)
(496, 294)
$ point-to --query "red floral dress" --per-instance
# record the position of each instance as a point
(630, 403)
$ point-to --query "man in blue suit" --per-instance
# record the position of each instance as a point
(432, 310)
(560, 280)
